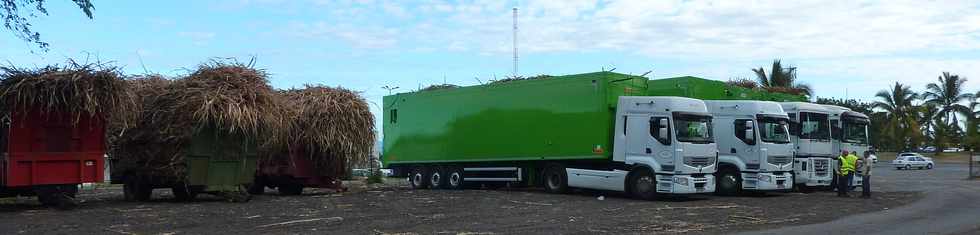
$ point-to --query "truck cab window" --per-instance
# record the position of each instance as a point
(693, 128)
(740, 126)
(814, 126)
(835, 129)
(773, 130)
(855, 131)
(656, 128)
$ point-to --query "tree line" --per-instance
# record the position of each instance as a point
(943, 114)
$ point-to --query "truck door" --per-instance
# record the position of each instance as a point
(745, 146)
(649, 136)
(636, 135)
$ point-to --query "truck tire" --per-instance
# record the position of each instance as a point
(437, 178)
(643, 185)
(290, 189)
(555, 179)
(135, 190)
(182, 193)
(58, 200)
(729, 182)
(454, 178)
(257, 187)
(418, 178)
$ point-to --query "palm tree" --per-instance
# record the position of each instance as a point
(781, 78)
(948, 94)
(927, 117)
(900, 112)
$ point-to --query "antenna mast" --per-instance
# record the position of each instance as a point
(515, 42)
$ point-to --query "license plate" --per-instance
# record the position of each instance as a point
(699, 190)
(780, 186)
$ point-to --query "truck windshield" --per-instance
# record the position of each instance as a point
(774, 130)
(814, 126)
(693, 128)
(855, 131)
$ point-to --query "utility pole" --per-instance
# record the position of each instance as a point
(515, 42)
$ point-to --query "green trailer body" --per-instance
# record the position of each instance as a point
(706, 89)
(220, 162)
(215, 162)
(555, 118)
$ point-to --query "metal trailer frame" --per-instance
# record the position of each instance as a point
(217, 163)
(48, 154)
(290, 174)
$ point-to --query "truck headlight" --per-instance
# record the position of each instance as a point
(762, 177)
(680, 181)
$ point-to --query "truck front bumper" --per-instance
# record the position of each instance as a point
(767, 181)
(685, 184)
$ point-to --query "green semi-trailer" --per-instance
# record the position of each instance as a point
(587, 131)
(707, 89)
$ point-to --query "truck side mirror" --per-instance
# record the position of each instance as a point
(663, 132)
(750, 130)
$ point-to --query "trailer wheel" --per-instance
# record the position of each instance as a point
(257, 187)
(418, 178)
(555, 179)
(136, 190)
(182, 193)
(437, 178)
(57, 200)
(454, 180)
(290, 189)
(643, 185)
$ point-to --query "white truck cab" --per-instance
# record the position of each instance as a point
(755, 152)
(663, 145)
(810, 134)
(849, 132)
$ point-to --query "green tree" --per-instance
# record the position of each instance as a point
(972, 134)
(15, 14)
(902, 125)
(928, 117)
(948, 95)
(781, 79)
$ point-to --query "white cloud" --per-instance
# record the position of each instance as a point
(743, 29)
(358, 37)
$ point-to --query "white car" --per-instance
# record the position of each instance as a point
(912, 160)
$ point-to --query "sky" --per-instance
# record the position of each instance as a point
(843, 49)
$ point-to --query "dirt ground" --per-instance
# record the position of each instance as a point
(395, 209)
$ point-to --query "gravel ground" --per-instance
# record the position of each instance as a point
(393, 208)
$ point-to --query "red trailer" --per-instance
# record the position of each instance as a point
(290, 175)
(49, 155)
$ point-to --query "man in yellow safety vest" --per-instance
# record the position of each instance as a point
(846, 164)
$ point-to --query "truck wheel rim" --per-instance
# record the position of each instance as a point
(729, 182)
(417, 179)
(644, 184)
(436, 178)
(454, 179)
(553, 181)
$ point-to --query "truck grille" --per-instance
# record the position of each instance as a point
(699, 161)
(821, 167)
(780, 160)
